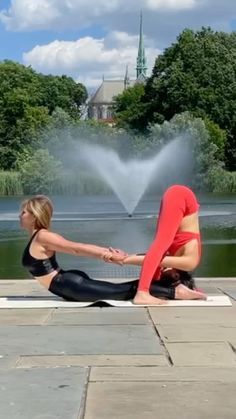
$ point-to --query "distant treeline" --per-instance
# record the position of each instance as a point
(197, 74)
(191, 94)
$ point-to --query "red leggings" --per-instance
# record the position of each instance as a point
(177, 202)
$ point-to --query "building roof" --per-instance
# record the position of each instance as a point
(108, 90)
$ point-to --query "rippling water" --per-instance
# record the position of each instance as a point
(102, 220)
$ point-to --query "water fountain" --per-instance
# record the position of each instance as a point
(130, 179)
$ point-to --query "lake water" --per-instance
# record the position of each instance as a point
(102, 220)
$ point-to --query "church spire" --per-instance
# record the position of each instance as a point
(127, 79)
(141, 59)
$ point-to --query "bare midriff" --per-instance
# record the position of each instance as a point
(46, 280)
(190, 223)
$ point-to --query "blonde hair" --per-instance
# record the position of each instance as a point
(42, 209)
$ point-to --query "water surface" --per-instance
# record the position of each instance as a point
(102, 220)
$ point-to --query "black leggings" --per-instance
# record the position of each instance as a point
(74, 285)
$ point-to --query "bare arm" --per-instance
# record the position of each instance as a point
(186, 262)
(54, 242)
(134, 260)
(122, 258)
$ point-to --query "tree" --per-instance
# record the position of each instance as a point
(198, 74)
(129, 110)
(62, 92)
(217, 136)
(27, 100)
(202, 154)
(20, 113)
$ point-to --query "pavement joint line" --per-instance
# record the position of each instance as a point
(165, 380)
(232, 347)
(228, 295)
(82, 408)
(44, 322)
(166, 352)
(17, 360)
(194, 341)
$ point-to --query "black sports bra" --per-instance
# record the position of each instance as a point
(38, 267)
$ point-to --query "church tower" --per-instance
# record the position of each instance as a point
(100, 106)
(141, 59)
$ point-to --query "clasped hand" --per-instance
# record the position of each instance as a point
(114, 256)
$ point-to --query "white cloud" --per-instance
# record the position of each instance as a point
(48, 14)
(88, 59)
(30, 14)
(171, 4)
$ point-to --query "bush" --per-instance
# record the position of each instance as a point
(79, 183)
(199, 150)
(10, 183)
(40, 172)
(222, 181)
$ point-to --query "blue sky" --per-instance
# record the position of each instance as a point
(88, 39)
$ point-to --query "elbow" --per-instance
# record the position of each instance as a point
(191, 265)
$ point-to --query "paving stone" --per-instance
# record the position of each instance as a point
(24, 316)
(16, 288)
(90, 360)
(194, 315)
(42, 394)
(99, 316)
(163, 373)
(185, 400)
(197, 333)
(216, 280)
(7, 362)
(199, 354)
(230, 291)
(210, 289)
(130, 373)
(77, 340)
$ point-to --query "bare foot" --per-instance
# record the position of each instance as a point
(144, 298)
(184, 293)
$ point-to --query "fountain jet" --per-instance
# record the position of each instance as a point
(130, 179)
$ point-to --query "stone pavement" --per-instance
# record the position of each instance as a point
(118, 363)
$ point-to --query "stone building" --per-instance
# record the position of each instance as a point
(100, 105)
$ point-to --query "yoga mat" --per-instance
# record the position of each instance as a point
(54, 302)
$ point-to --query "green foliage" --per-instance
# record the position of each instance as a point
(64, 137)
(79, 183)
(129, 110)
(39, 172)
(7, 157)
(10, 183)
(220, 180)
(217, 136)
(62, 92)
(198, 74)
(60, 118)
(196, 137)
(27, 100)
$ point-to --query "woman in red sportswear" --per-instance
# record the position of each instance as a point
(177, 241)
(176, 244)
